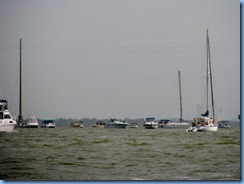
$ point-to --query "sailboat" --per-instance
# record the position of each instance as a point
(169, 123)
(204, 123)
(31, 120)
(20, 117)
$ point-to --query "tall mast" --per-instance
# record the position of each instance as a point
(211, 80)
(20, 90)
(207, 74)
(180, 98)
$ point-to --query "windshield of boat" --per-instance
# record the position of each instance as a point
(7, 116)
(150, 119)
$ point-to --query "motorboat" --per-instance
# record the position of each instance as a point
(163, 122)
(48, 124)
(99, 124)
(7, 123)
(115, 123)
(223, 124)
(191, 129)
(76, 124)
(133, 125)
(150, 123)
(32, 122)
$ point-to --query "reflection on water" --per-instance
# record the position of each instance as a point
(119, 154)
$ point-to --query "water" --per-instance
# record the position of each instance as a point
(119, 154)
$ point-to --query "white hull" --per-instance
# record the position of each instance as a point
(7, 123)
(32, 122)
(134, 127)
(114, 123)
(49, 126)
(77, 126)
(177, 124)
(150, 125)
(174, 125)
(207, 128)
(7, 127)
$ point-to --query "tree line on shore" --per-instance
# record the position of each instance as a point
(64, 122)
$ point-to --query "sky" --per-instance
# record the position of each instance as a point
(119, 58)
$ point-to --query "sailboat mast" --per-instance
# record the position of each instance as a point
(207, 74)
(20, 90)
(211, 80)
(180, 98)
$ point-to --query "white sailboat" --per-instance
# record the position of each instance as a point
(204, 123)
(31, 120)
(20, 117)
(169, 123)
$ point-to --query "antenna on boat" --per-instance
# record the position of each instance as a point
(20, 122)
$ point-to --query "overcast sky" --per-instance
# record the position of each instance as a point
(119, 58)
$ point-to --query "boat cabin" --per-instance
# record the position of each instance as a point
(202, 121)
(48, 124)
(3, 105)
(150, 119)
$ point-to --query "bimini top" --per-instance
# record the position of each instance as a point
(3, 105)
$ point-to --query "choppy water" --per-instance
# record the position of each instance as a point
(119, 154)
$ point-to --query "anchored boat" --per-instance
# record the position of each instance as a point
(150, 123)
(7, 123)
(48, 124)
(115, 123)
(32, 122)
(204, 123)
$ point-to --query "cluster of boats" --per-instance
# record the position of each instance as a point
(203, 123)
(7, 123)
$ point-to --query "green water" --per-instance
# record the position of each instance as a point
(119, 154)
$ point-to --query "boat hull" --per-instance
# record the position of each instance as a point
(121, 126)
(77, 126)
(48, 126)
(7, 127)
(31, 126)
(150, 126)
(98, 126)
(207, 128)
